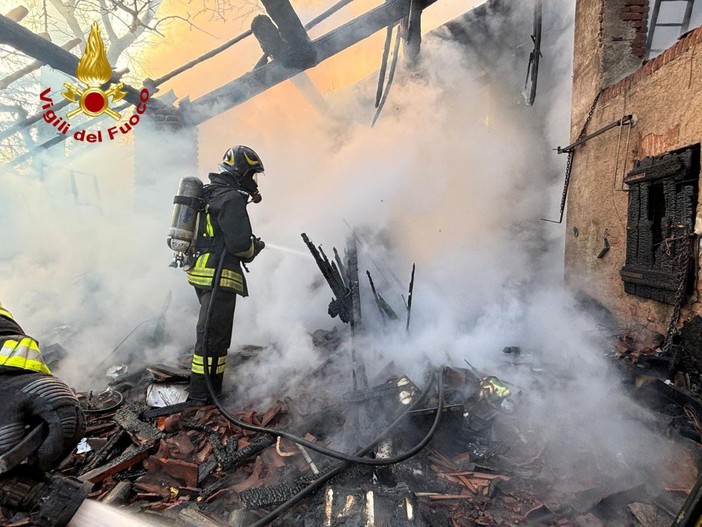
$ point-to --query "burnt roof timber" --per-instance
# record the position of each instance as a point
(27, 42)
(260, 79)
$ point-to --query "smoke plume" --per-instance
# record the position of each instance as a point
(454, 177)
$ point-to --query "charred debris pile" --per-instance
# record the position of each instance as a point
(454, 448)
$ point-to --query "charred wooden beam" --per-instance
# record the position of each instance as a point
(352, 281)
(273, 45)
(104, 453)
(360, 380)
(268, 37)
(5, 82)
(131, 457)
(301, 54)
(260, 79)
(272, 495)
(235, 458)
(409, 298)
(341, 303)
(23, 40)
(385, 310)
(20, 125)
(380, 103)
(413, 35)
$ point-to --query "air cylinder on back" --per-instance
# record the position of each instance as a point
(186, 205)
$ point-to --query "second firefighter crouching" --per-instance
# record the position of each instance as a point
(31, 396)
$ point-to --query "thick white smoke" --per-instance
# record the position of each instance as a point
(451, 177)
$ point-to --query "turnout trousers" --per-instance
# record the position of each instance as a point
(219, 337)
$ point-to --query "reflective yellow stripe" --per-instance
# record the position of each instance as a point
(202, 272)
(199, 359)
(224, 282)
(5, 313)
(233, 275)
(194, 280)
(247, 253)
(198, 364)
(208, 228)
(24, 354)
(198, 370)
(237, 286)
(201, 263)
(201, 275)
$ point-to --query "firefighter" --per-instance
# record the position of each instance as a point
(224, 227)
(31, 395)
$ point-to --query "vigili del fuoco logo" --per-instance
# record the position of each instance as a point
(93, 71)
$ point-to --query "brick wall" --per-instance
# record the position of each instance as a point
(636, 13)
(623, 30)
(690, 40)
(166, 117)
(609, 44)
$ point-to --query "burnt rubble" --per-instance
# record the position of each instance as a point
(188, 465)
(482, 462)
(484, 466)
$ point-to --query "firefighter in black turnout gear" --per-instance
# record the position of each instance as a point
(31, 396)
(224, 226)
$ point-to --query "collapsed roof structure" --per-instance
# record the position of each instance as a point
(485, 464)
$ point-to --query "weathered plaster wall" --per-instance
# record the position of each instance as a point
(665, 95)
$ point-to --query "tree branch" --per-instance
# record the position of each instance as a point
(67, 13)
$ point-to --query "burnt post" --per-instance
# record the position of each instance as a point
(268, 37)
(360, 381)
(352, 281)
(413, 32)
(273, 45)
(300, 53)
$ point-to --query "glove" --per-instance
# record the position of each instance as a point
(30, 398)
(258, 246)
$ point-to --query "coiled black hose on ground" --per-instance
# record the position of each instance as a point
(346, 458)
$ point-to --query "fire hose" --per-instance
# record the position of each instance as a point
(347, 458)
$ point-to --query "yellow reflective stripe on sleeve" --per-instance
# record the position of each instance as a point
(26, 364)
(24, 354)
(5, 313)
(248, 253)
